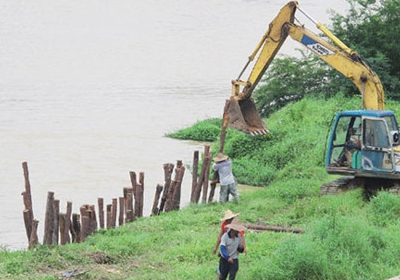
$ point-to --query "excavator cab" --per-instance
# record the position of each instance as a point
(376, 156)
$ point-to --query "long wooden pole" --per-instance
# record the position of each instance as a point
(27, 199)
(176, 198)
(194, 174)
(155, 210)
(206, 162)
(168, 169)
(49, 220)
(225, 120)
(34, 237)
(273, 228)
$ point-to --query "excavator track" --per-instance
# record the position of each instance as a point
(370, 185)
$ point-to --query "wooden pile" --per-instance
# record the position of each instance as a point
(200, 184)
(61, 228)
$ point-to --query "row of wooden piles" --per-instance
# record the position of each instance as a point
(61, 228)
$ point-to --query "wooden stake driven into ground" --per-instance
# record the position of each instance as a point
(121, 211)
(202, 177)
(140, 195)
(225, 120)
(34, 237)
(194, 174)
(58, 226)
(100, 203)
(155, 210)
(114, 205)
(129, 213)
(134, 185)
(176, 198)
(76, 225)
(56, 222)
(49, 220)
(206, 163)
(67, 222)
(168, 169)
(27, 198)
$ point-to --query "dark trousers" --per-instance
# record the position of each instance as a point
(228, 268)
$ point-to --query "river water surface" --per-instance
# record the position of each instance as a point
(89, 88)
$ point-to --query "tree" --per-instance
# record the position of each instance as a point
(290, 78)
(371, 28)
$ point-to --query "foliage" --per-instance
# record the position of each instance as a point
(289, 79)
(206, 131)
(260, 160)
(369, 28)
(289, 147)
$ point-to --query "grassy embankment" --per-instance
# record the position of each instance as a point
(346, 236)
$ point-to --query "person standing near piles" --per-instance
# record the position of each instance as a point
(226, 220)
(231, 246)
(227, 181)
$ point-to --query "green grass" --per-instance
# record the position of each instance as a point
(206, 131)
(345, 236)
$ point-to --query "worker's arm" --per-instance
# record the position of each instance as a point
(224, 252)
(218, 241)
(243, 244)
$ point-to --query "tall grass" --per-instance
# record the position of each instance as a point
(344, 236)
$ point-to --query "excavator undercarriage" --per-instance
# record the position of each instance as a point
(370, 186)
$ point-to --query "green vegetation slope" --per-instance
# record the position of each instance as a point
(345, 236)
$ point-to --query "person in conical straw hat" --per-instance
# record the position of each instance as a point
(226, 220)
(227, 181)
(229, 216)
(231, 246)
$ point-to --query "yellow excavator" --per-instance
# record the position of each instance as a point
(376, 156)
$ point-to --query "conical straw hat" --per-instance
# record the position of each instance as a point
(229, 215)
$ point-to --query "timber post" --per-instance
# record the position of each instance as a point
(225, 120)
(56, 222)
(85, 223)
(67, 227)
(206, 162)
(27, 198)
(202, 178)
(114, 205)
(194, 173)
(76, 225)
(33, 240)
(155, 210)
(168, 169)
(49, 220)
(130, 215)
(100, 203)
(176, 197)
(140, 194)
(121, 211)
(108, 214)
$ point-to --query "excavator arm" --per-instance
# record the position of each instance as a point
(242, 114)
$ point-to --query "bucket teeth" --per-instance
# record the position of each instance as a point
(242, 115)
(259, 132)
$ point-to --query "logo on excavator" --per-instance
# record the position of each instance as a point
(315, 46)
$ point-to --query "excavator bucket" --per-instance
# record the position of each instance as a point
(242, 115)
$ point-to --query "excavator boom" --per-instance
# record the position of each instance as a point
(241, 111)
